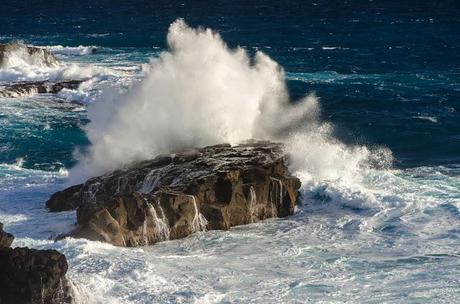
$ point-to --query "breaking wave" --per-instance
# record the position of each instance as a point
(72, 50)
(201, 92)
(19, 62)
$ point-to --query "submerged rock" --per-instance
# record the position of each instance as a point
(172, 196)
(29, 54)
(37, 87)
(5, 238)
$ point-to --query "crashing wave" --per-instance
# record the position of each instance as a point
(201, 92)
(28, 70)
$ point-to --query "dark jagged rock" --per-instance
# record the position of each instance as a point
(33, 276)
(172, 196)
(34, 55)
(5, 238)
(37, 87)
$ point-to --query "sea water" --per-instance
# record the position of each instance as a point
(386, 76)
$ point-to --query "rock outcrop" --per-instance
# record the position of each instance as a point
(37, 87)
(11, 53)
(32, 276)
(172, 196)
(30, 54)
(5, 238)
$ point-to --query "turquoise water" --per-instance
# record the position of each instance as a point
(385, 75)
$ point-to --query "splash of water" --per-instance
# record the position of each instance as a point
(199, 222)
(252, 204)
(160, 224)
(198, 92)
(149, 183)
(201, 92)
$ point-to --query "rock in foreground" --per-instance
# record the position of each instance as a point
(32, 276)
(172, 196)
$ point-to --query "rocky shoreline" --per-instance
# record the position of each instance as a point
(168, 197)
(173, 196)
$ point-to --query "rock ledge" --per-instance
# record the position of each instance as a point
(172, 196)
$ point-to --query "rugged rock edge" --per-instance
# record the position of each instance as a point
(173, 196)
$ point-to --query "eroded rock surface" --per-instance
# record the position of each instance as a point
(172, 196)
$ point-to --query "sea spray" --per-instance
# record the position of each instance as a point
(200, 92)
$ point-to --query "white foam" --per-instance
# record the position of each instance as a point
(71, 50)
(432, 119)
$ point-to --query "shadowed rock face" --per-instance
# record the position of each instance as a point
(32, 276)
(31, 54)
(37, 87)
(172, 196)
(5, 238)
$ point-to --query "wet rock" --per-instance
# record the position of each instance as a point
(172, 196)
(33, 276)
(5, 238)
(37, 87)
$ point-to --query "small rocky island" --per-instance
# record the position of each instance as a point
(32, 276)
(34, 56)
(173, 196)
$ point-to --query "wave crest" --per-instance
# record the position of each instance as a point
(72, 50)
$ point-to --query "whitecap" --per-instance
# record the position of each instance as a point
(72, 50)
(432, 119)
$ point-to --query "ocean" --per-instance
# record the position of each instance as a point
(378, 154)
